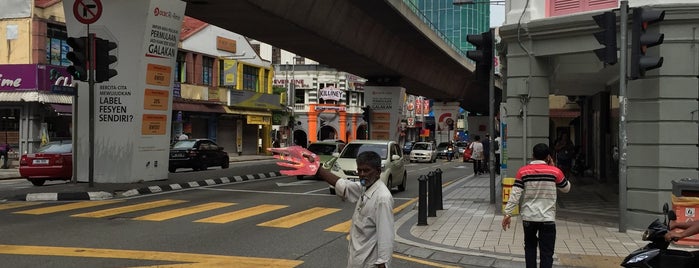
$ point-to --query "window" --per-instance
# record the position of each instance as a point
(276, 55)
(564, 7)
(250, 78)
(181, 68)
(56, 46)
(207, 73)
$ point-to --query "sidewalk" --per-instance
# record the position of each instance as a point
(466, 233)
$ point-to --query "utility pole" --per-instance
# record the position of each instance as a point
(623, 20)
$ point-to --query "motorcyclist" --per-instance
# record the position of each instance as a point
(690, 228)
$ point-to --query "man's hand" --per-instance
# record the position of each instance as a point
(506, 222)
(302, 161)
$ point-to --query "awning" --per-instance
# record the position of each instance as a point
(34, 96)
(565, 113)
(230, 110)
(198, 107)
(62, 109)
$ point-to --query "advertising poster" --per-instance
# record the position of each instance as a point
(445, 116)
(133, 109)
(387, 110)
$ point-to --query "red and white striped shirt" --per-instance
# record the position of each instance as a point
(536, 184)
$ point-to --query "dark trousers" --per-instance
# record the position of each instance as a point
(542, 234)
(497, 163)
(477, 166)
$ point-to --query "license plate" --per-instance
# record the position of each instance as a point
(178, 155)
(40, 161)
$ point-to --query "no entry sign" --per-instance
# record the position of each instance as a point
(87, 11)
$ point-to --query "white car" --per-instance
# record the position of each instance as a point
(393, 172)
(423, 152)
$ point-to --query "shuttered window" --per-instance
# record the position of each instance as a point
(565, 7)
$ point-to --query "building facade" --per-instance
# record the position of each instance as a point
(555, 83)
(223, 90)
(35, 89)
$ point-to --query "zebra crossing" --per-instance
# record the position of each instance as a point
(176, 208)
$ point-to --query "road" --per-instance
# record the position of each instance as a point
(281, 221)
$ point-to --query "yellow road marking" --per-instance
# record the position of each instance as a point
(340, 227)
(190, 260)
(166, 215)
(299, 218)
(420, 261)
(241, 214)
(16, 205)
(120, 210)
(404, 205)
(66, 207)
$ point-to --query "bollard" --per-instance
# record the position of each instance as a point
(432, 202)
(422, 201)
(438, 189)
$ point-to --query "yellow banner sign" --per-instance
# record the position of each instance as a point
(259, 120)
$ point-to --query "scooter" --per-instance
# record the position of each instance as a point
(656, 253)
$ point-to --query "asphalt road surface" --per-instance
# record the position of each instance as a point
(282, 221)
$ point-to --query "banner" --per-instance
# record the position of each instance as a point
(386, 111)
(445, 116)
(133, 109)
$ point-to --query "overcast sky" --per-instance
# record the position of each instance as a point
(497, 15)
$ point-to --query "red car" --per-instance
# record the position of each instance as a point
(53, 161)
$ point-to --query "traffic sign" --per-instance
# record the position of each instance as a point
(87, 11)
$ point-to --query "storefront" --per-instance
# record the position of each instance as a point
(35, 105)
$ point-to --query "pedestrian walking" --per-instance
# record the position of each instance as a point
(372, 231)
(477, 155)
(182, 137)
(536, 185)
(4, 153)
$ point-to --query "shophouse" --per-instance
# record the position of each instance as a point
(556, 84)
(35, 89)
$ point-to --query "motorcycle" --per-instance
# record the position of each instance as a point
(656, 253)
(450, 153)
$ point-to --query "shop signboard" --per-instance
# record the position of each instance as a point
(14, 77)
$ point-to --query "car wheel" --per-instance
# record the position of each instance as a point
(202, 166)
(401, 187)
(171, 169)
(389, 184)
(299, 177)
(37, 182)
(332, 190)
(226, 164)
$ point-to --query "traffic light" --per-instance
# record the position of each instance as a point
(366, 115)
(641, 41)
(78, 56)
(607, 37)
(482, 55)
(103, 59)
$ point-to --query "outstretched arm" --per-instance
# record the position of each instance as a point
(690, 228)
(302, 162)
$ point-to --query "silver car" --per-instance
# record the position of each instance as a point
(423, 152)
(393, 172)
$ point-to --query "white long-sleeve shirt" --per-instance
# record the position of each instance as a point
(372, 232)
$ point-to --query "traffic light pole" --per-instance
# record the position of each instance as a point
(91, 113)
(623, 22)
(491, 118)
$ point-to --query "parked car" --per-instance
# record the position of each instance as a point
(325, 150)
(423, 152)
(407, 147)
(198, 154)
(442, 150)
(393, 172)
(53, 161)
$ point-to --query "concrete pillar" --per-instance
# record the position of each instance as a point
(312, 124)
(526, 106)
(343, 126)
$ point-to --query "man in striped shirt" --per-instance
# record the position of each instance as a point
(536, 185)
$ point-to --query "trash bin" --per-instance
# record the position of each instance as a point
(506, 188)
(685, 203)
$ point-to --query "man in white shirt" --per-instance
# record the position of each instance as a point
(182, 137)
(372, 231)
